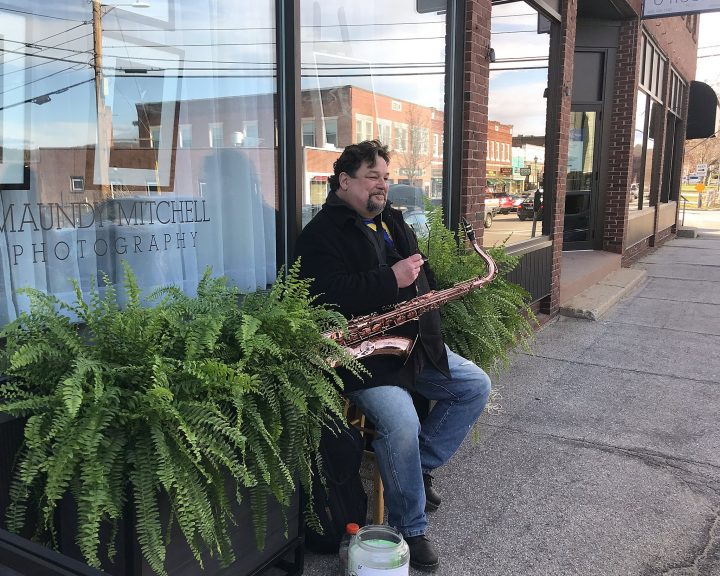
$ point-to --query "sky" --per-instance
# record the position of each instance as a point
(708, 70)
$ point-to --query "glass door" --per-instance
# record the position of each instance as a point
(581, 197)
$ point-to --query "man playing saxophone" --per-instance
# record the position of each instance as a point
(364, 258)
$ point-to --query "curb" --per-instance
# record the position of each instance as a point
(594, 302)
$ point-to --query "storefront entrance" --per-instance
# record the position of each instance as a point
(581, 214)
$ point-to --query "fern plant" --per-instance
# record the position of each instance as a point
(484, 325)
(168, 402)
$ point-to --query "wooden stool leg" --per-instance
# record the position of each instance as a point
(356, 417)
(379, 511)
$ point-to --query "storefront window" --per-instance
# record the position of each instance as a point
(674, 139)
(374, 70)
(143, 134)
(643, 178)
(516, 124)
(648, 117)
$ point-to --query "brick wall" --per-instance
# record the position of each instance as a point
(475, 112)
(622, 126)
(676, 41)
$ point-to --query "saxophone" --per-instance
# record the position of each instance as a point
(365, 335)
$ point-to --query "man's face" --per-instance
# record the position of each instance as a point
(367, 191)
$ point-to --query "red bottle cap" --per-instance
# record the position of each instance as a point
(352, 528)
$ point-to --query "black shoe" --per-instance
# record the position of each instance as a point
(422, 553)
(432, 498)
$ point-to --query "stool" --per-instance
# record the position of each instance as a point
(356, 418)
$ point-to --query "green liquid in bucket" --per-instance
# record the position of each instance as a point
(381, 543)
(372, 555)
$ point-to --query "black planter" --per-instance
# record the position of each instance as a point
(11, 437)
(20, 557)
(249, 561)
(29, 559)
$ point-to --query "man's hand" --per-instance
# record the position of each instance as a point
(406, 271)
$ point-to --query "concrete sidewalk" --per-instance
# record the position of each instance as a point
(604, 458)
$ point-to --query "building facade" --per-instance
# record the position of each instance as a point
(106, 134)
(180, 135)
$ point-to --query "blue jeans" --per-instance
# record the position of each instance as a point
(404, 449)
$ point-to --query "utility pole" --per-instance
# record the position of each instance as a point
(102, 150)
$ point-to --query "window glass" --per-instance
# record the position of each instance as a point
(98, 161)
(649, 178)
(308, 132)
(331, 131)
(378, 69)
(639, 187)
(516, 123)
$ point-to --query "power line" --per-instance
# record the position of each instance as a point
(43, 98)
(43, 57)
(37, 80)
(39, 15)
(703, 141)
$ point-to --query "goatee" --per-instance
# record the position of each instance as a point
(375, 207)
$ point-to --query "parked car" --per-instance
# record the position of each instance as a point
(633, 191)
(505, 202)
(404, 196)
(492, 205)
(517, 200)
(527, 207)
(417, 220)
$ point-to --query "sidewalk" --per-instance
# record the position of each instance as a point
(604, 458)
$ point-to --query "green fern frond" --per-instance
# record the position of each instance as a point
(487, 323)
(169, 401)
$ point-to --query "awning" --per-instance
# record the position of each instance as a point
(703, 117)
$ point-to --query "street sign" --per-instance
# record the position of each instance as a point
(701, 169)
(699, 187)
(524, 171)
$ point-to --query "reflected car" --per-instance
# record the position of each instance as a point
(505, 203)
(417, 220)
(527, 207)
(633, 191)
(517, 200)
(404, 196)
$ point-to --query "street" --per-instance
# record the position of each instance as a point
(510, 227)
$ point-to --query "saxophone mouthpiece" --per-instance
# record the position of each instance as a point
(469, 232)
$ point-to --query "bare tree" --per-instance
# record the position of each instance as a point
(705, 152)
(415, 154)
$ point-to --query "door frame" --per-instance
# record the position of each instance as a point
(598, 39)
(597, 218)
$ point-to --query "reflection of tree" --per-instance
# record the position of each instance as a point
(415, 155)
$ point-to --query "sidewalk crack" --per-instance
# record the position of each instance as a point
(709, 554)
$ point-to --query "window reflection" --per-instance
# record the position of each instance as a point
(648, 117)
(154, 144)
(516, 126)
(373, 71)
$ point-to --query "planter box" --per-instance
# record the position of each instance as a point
(20, 557)
(29, 559)
(11, 436)
(179, 559)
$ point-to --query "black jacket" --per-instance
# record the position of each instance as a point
(341, 254)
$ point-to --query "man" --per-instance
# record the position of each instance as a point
(364, 258)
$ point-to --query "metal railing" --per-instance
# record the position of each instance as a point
(684, 201)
